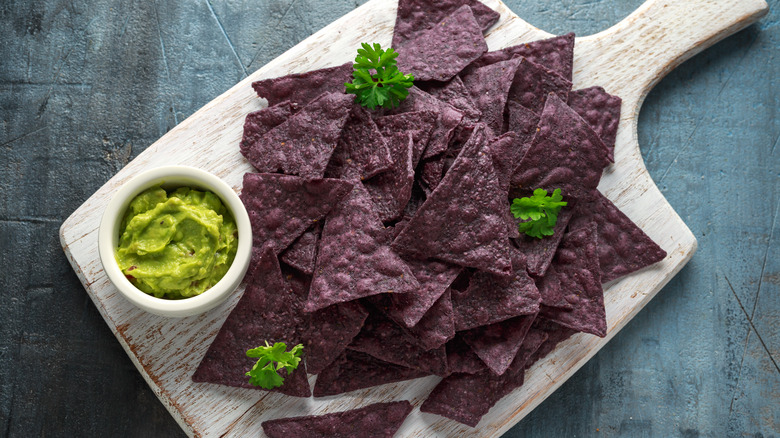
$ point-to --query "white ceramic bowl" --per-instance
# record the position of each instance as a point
(171, 177)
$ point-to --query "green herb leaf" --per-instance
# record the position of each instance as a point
(540, 212)
(376, 81)
(271, 360)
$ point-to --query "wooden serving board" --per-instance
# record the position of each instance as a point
(627, 60)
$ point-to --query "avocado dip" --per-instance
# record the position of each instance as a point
(176, 244)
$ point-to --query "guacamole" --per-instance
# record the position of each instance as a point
(176, 244)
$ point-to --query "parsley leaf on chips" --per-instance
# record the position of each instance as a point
(273, 358)
(387, 86)
(542, 210)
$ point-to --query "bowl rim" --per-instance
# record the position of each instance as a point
(176, 176)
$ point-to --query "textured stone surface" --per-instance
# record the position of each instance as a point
(86, 86)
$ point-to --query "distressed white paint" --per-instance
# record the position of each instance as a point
(627, 60)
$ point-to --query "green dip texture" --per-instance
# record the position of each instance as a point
(176, 244)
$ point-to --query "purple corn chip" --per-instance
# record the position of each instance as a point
(497, 344)
(269, 311)
(463, 220)
(354, 260)
(466, 398)
(330, 331)
(623, 247)
(524, 122)
(303, 251)
(445, 49)
(565, 154)
(259, 122)
(304, 143)
(489, 87)
(576, 266)
(380, 420)
(387, 341)
(555, 334)
(434, 278)
(414, 17)
(532, 83)
(419, 123)
(361, 151)
(301, 88)
(556, 54)
(354, 370)
(601, 110)
(391, 190)
(437, 326)
(461, 359)
(490, 298)
(456, 94)
(282, 207)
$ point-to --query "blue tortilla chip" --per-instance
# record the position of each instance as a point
(414, 17)
(330, 331)
(445, 49)
(565, 154)
(491, 298)
(461, 359)
(601, 110)
(354, 260)
(379, 420)
(392, 189)
(304, 143)
(361, 151)
(419, 123)
(303, 251)
(301, 88)
(466, 398)
(354, 370)
(259, 122)
(489, 87)
(434, 278)
(282, 207)
(623, 247)
(463, 220)
(576, 268)
(437, 326)
(270, 310)
(456, 94)
(556, 54)
(497, 344)
(532, 83)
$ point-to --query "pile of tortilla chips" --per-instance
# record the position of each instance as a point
(383, 240)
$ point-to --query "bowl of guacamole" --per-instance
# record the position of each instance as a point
(175, 241)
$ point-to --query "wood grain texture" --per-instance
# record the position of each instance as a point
(75, 48)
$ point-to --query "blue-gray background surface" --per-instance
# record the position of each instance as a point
(85, 86)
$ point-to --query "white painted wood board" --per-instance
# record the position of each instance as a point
(627, 60)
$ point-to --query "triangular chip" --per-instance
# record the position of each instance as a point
(601, 110)
(555, 334)
(434, 278)
(623, 247)
(392, 189)
(463, 220)
(456, 94)
(532, 83)
(466, 398)
(303, 251)
(419, 123)
(330, 331)
(447, 118)
(301, 88)
(445, 49)
(497, 344)
(437, 326)
(576, 266)
(556, 54)
(461, 359)
(361, 151)
(303, 144)
(282, 207)
(259, 122)
(387, 341)
(354, 260)
(354, 370)
(414, 17)
(270, 310)
(565, 154)
(489, 87)
(377, 420)
(490, 298)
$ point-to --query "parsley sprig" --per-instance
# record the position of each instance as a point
(539, 211)
(376, 81)
(271, 360)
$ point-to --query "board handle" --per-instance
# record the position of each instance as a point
(640, 50)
